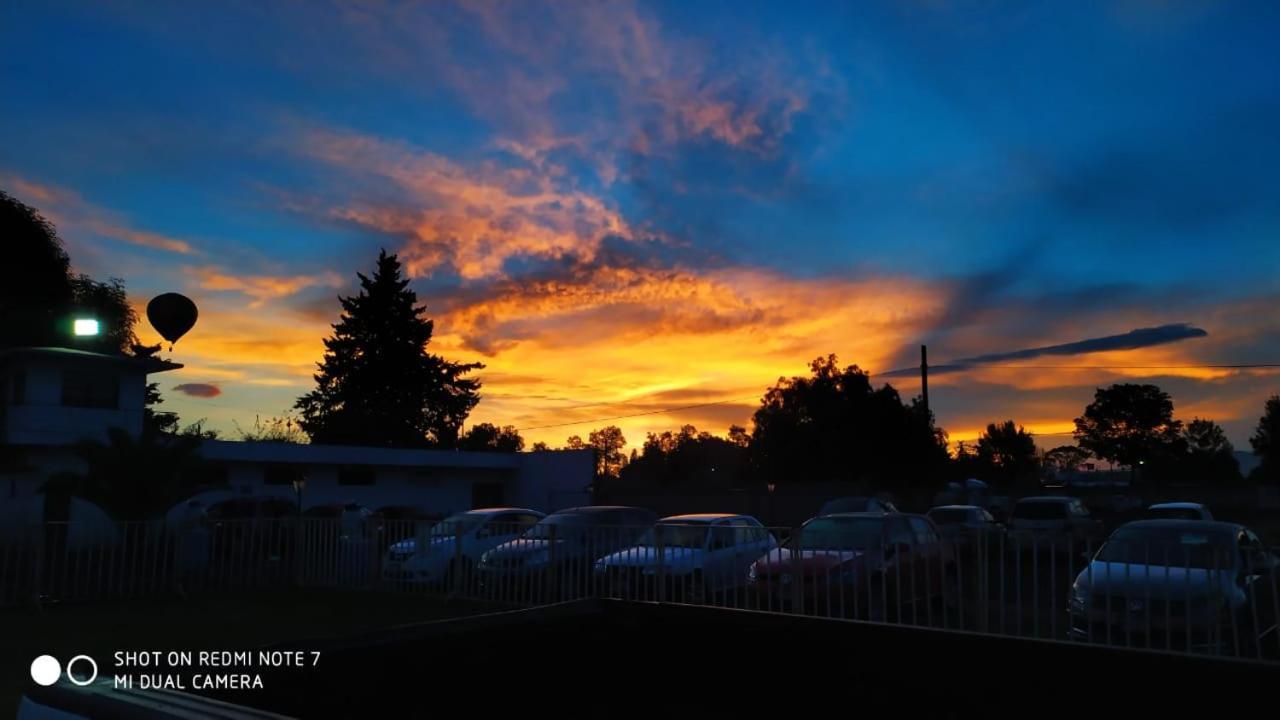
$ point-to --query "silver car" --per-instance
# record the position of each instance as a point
(1179, 585)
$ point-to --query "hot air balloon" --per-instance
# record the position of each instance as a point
(172, 315)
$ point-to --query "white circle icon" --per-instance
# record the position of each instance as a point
(45, 670)
(92, 677)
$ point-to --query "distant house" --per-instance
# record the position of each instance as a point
(54, 399)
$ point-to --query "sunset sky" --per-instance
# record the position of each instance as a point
(621, 208)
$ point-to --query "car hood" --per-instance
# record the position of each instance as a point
(809, 560)
(1153, 581)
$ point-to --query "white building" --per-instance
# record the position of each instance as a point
(54, 399)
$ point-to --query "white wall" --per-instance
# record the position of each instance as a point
(42, 419)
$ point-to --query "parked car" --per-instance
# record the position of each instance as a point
(857, 505)
(1052, 524)
(967, 526)
(868, 565)
(1178, 511)
(353, 521)
(1180, 585)
(555, 557)
(698, 556)
(454, 545)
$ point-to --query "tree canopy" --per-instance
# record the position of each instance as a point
(833, 425)
(377, 384)
(1128, 424)
(688, 458)
(1008, 452)
(1266, 441)
(490, 437)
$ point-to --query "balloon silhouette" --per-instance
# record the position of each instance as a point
(172, 315)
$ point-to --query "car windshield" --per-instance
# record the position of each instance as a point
(560, 525)
(673, 535)
(1173, 513)
(951, 516)
(831, 533)
(842, 505)
(1169, 547)
(1040, 511)
(462, 523)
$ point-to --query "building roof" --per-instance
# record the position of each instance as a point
(296, 454)
(146, 364)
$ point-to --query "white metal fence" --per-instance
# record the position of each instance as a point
(1180, 590)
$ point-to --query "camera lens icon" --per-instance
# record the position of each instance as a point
(46, 670)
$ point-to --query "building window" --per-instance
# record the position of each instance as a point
(356, 476)
(90, 389)
(18, 387)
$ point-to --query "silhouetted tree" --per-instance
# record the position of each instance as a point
(1266, 442)
(608, 442)
(739, 436)
(687, 458)
(1009, 452)
(155, 421)
(35, 283)
(575, 442)
(1066, 458)
(377, 384)
(540, 447)
(833, 425)
(1210, 458)
(1129, 424)
(274, 429)
(139, 478)
(966, 464)
(487, 436)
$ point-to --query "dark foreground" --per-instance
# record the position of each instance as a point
(612, 655)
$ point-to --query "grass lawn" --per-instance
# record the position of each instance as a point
(231, 621)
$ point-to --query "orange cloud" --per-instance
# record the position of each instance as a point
(72, 213)
(473, 220)
(259, 287)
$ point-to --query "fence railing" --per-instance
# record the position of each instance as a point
(1187, 591)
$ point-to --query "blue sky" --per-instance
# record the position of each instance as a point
(735, 188)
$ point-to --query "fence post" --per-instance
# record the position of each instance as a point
(37, 565)
(459, 581)
(660, 575)
(797, 577)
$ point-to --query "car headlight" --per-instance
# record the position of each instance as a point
(486, 558)
(1079, 601)
(751, 573)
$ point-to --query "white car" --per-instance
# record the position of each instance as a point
(1052, 524)
(701, 555)
(1178, 511)
(434, 556)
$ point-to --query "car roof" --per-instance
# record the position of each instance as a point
(956, 507)
(701, 517)
(1205, 525)
(874, 515)
(592, 509)
(496, 510)
(1178, 506)
(1048, 499)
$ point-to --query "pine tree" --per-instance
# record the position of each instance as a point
(377, 384)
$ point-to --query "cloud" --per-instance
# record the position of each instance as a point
(1132, 340)
(260, 288)
(199, 390)
(72, 213)
(471, 220)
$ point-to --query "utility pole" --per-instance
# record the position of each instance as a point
(924, 375)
